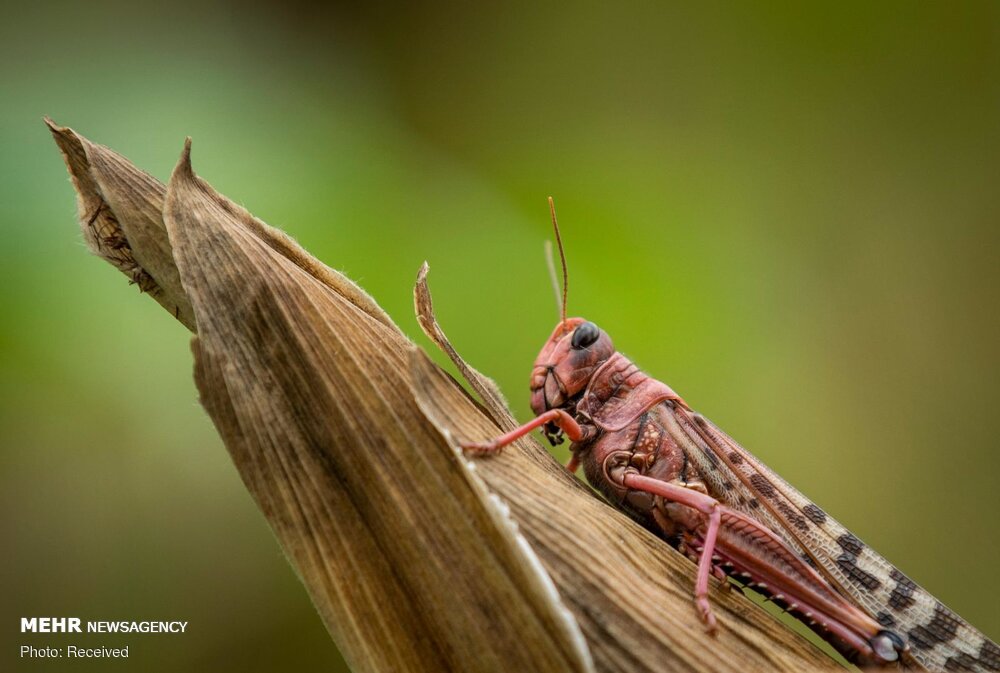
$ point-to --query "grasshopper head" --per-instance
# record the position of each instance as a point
(567, 362)
(571, 355)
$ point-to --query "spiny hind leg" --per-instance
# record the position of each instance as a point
(700, 502)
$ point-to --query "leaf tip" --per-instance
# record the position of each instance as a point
(183, 167)
(422, 297)
(58, 132)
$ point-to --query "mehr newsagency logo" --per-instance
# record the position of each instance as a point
(76, 625)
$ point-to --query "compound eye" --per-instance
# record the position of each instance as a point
(585, 335)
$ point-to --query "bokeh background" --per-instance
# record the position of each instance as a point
(788, 213)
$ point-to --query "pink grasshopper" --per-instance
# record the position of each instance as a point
(650, 454)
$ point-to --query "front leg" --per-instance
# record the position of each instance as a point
(566, 423)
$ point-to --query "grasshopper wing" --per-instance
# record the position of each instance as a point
(938, 638)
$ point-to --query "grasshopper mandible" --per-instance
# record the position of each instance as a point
(649, 453)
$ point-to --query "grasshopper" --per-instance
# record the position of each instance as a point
(649, 453)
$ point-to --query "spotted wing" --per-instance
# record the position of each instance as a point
(938, 638)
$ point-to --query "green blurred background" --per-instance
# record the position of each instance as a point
(787, 213)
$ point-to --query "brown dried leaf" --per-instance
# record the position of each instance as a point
(342, 432)
(403, 553)
(120, 210)
(121, 216)
(485, 387)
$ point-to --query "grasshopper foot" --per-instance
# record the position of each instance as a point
(480, 448)
(706, 614)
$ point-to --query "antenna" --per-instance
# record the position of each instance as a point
(562, 258)
(551, 264)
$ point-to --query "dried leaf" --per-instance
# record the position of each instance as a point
(376, 512)
(120, 210)
(485, 387)
(416, 558)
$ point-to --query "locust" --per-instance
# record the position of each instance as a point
(670, 468)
